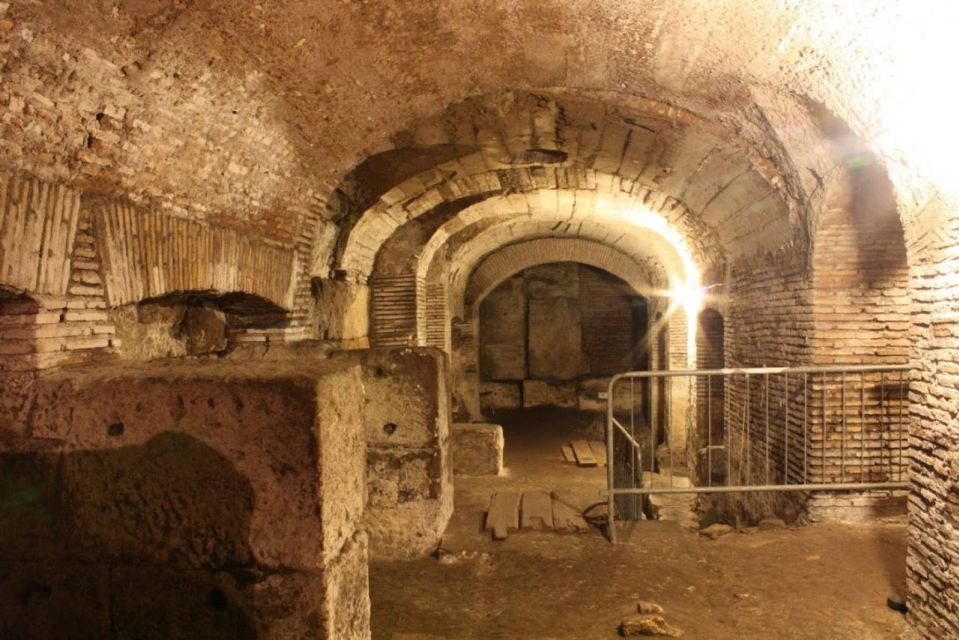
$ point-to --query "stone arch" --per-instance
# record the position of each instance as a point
(550, 138)
(400, 299)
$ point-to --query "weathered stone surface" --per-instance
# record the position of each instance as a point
(555, 335)
(204, 329)
(224, 499)
(501, 395)
(477, 449)
(149, 331)
(406, 418)
(648, 625)
(341, 312)
(647, 607)
(715, 531)
(540, 392)
(503, 333)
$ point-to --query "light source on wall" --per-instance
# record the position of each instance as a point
(689, 295)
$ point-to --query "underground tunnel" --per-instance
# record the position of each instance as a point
(419, 320)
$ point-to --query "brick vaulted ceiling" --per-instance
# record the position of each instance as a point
(269, 116)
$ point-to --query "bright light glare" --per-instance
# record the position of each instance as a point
(918, 97)
(690, 296)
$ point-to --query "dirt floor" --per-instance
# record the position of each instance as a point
(813, 582)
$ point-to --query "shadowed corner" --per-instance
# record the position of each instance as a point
(141, 542)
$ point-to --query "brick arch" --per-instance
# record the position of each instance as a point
(399, 302)
(441, 301)
(661, 155)
(576, 202)
(146, 254)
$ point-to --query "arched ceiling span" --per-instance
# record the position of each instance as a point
(255, 113)
(709, 184)
(456, 259)
(618, 223)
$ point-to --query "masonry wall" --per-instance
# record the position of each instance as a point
(544, 332)
(933, 556)
(767, 322)
(79, 259)
(862, 308)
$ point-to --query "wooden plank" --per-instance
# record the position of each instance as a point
(537, 511)
(583, 453)
(566, 517)
(568, 454)
(599, 451)
(503, 514)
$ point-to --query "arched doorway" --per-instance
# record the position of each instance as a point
(549, 338)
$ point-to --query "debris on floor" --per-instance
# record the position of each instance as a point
(566, 517)
(771, 524)
(537, 511)
(533, 510)
(648, 625)
(503, 515)
(715, 531)
(644, 606)
(585, 453)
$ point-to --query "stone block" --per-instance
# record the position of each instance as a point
(625, 398)
(406, 417)
(503, 339)
(204, 329)
(541, 392)
(477, 449)
(224, 498)
(555, 339)
(501, 395)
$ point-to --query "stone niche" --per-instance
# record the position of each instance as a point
(187, 500)
(407, 424)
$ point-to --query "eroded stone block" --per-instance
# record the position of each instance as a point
(406, 422)
(500, 395)
(477, 449)
(224, 498)
(540, 392)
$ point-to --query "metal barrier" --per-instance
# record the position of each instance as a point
(836, 428)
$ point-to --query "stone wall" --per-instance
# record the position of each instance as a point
(546, 330)
(181, 500)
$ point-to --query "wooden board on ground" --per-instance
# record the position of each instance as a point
(599, 451)
(537, 511)
(583, 453)
(568, 454)
(503, 515)
(566, 517)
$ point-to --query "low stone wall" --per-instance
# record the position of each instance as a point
(407, 424)
(187, 500)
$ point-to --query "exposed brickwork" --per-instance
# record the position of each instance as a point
(54, 330)
(934, 401)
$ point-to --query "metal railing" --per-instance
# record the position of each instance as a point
(838, 428)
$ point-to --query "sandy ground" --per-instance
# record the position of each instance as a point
(821, 581)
